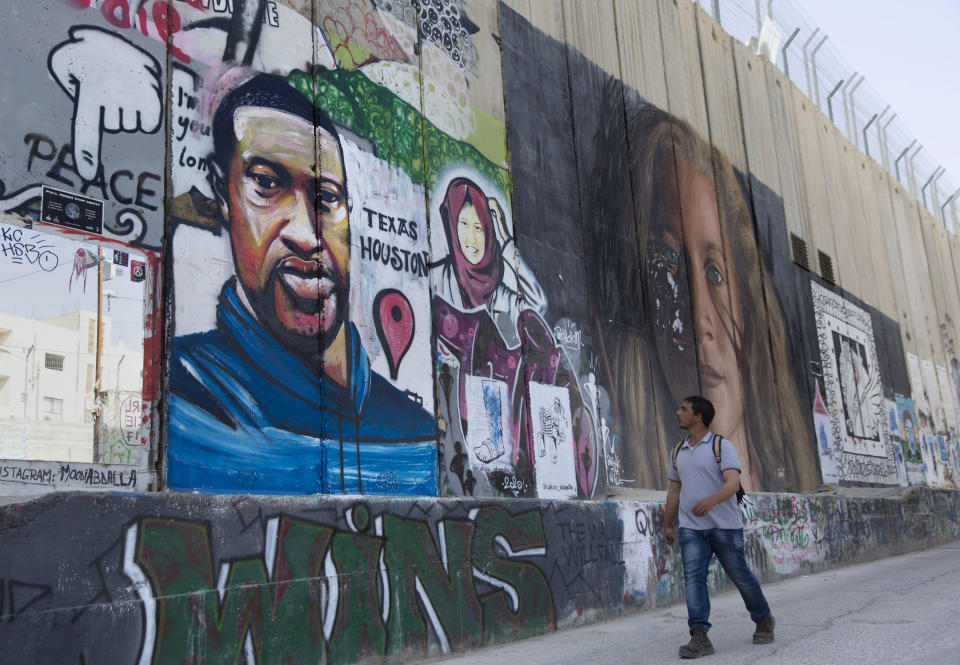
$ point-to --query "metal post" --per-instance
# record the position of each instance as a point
(885, 142)
(830, 99)
(716, 12)
(943, 208)
(923, 190)
(97, 388)
(756, 4)
(896, 162)
(866, 143)
(853, 110)
(934, 191)
(911, 171)
(786, 45)
(816, 79)
(806, 58)
(846, 104)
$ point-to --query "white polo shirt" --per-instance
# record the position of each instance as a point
(700, 477)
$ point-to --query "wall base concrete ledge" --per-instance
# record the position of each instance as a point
(191, 578)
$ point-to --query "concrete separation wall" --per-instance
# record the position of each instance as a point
(540, 226)
(99, 578)
(459, 261)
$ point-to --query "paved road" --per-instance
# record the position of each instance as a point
(903, 609)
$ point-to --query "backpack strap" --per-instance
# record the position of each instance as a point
(717, 440)
(676, 451)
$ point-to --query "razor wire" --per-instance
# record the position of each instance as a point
(785, 34)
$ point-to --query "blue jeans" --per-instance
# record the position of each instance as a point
(697, 548)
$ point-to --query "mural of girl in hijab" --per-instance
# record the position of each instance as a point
(488, 309)
(482, 269)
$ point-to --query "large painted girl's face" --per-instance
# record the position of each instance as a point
(470, 234)
(688, 254)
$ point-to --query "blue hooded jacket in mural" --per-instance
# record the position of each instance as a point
(246, 415)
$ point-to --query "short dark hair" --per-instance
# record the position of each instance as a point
(268, 91)
(702, 407)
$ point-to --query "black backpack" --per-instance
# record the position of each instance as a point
(717, 439)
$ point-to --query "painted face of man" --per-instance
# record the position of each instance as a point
(285, 204)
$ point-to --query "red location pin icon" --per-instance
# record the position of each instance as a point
(393, 316)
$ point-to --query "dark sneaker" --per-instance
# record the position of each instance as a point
(699, 645)
(764, 632)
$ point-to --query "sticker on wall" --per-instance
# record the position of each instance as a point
(553, 451)
(71, 210)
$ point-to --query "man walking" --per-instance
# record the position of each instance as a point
(703, 492)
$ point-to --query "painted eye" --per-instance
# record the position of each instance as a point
(671, 256)
(667, 258)
(265, 182)
(714, 274)
(330, 197)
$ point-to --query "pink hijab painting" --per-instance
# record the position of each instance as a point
(475, 254)
(482, 269)
(489, 316)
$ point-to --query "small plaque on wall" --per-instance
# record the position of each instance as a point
(71, 210)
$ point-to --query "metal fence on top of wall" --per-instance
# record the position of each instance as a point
(788, 36)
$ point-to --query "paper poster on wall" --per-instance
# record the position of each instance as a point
(488, 435)
(946, 398)
(553, 449)
(860, 449)
(823, 428)
(893, 425)
(851, 373)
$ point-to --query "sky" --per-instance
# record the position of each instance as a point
(910, 54)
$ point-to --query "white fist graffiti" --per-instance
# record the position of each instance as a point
(115, 87)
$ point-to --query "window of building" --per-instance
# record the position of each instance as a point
(52, 408)
(53, 361)
(91, 335)
(91, 377)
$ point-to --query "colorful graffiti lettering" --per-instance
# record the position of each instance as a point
(296, 599)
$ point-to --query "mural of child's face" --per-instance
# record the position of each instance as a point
(470, 234)
(717, 318)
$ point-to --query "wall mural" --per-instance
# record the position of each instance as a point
(655, 194)
(415, 249)
(372, 289)
(81, 195)
(860, 447)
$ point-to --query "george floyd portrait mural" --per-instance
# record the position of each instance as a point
(352, 311)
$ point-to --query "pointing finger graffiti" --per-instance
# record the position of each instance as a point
(115, 87)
